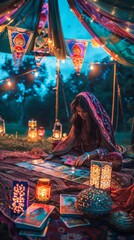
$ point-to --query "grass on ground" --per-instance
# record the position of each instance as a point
(15, 139)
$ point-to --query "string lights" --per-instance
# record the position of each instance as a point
(9, 82)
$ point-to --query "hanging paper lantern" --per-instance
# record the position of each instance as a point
(76, 49)
(43, 17)
(19, 39)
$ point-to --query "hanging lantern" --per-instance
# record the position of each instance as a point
(41, 132)
(100, 174)
(20, 193)
(2, 126)
(32, 131)
(57, 131)
(43, 189)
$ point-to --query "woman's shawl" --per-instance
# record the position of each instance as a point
(101, 118)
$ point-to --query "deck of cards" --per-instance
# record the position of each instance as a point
(34, 221)
(70, 215)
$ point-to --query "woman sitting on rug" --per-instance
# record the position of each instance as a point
(91, 135)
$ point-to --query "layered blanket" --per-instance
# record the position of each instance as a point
(99, 228)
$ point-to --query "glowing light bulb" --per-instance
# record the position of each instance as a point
(8, 18)
(127, 29)
(91, 67)
(9, 83)
(36, 74)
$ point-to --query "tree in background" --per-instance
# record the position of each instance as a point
(24, 83)
(26, 99)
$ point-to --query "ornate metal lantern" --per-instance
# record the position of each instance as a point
(100, 174)
(57, 131)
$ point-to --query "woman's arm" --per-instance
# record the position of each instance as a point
(88, 156)
(64, 146)
(99, 152)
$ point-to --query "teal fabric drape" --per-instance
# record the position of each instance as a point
(58, 46)
(8, 6)
(123, 10)
(27, 17)
(112, 32)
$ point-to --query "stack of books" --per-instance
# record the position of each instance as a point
(35, 220)
(70, 215)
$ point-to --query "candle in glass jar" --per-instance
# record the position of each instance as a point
(43, 189)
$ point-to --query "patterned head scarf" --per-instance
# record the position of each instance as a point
(101, 118)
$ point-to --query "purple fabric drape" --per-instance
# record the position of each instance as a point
(114, 34)
(115, 25)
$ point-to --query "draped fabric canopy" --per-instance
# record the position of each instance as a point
(26, 14)
(110, 23)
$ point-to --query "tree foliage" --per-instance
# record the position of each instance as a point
(24, 99)
(24, 83)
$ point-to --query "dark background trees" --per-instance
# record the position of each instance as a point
(24, 99)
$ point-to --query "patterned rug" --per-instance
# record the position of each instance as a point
(99, 228)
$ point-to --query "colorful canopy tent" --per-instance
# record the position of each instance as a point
(110, 22)
(28, 14)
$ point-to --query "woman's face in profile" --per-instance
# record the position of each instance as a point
(81, 112)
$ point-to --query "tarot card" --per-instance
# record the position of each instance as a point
(35, 216)
(67, 205)
(71, 222)
(69, 161)
(81, 180)
(60, 174)
(49, 164)
(25, 165)
(63, 168)
(32, 233)
(83, 172)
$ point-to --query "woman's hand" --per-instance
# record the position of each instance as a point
(49, 157)
(81, 159)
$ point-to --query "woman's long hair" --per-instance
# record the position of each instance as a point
(76, 120)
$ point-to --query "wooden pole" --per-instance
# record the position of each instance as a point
(57, 89)
(113, 97)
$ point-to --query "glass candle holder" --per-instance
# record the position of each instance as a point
(43, 189)
(2, 126)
